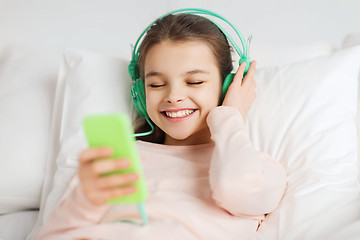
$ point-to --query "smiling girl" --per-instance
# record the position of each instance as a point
(205, 179)
(180, 79)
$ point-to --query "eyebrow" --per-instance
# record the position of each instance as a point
(195, 71)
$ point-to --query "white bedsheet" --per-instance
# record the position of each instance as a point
(322, 223)
(351, 231)
(16, 226)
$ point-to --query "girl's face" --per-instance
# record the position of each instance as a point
(182, 85)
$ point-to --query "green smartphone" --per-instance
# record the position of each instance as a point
(115, 131)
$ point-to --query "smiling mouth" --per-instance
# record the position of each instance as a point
(178, 114)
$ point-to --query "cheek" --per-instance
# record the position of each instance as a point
(215, 92)
(209, 97)
(149, 101)
(152, 102)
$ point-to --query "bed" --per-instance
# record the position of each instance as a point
(52, 56)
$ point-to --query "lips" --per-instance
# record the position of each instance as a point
(178, 113)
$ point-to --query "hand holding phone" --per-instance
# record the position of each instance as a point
(94, 163)
(114, 131)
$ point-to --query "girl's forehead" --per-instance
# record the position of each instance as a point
(180, 54)
(182, 45)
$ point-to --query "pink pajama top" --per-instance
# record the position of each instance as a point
(219, 190)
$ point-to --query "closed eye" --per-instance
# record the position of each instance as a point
(156, 85)
(195, 83)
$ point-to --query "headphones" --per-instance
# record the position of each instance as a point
(137, 84)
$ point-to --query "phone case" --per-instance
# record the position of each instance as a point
(115, 131)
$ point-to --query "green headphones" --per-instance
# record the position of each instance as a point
(137, 84)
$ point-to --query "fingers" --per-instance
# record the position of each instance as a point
(94, 162)
(239, 76)
(109, 187)
(252, 68)
(241, 92)
(118, 192)
(105, 184)
(91, 154)
(101, 197)
(239, 73)
(100, 167)
(116, 180)
(248, 80)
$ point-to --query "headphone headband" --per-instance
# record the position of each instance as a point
(133, 70)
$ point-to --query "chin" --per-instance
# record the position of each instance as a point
(194, 137)
(179, 137)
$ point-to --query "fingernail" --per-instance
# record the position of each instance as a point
(133, 176)
(107, 150)
(131, 189)
(124, 163)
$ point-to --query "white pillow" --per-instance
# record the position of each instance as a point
(27, 83)
(303, 116)
(350, 41)
(271, 55)
(88, 83)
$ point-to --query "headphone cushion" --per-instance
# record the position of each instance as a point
(140, 100)
(228, 80)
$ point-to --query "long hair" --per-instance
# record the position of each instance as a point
(181, 28)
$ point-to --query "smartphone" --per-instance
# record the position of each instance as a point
(115, 131)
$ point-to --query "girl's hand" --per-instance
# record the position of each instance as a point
(98, 189)
(241, 93)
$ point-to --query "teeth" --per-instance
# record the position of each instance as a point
(182, 113)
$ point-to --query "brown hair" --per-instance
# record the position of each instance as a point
(180, 28)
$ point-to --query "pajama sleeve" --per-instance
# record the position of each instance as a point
(243, 181)
(73, 211)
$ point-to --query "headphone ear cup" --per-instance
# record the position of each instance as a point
(230, 77)
(133, 69)
(138, 97)
(228, 80)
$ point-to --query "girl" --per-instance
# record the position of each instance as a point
(204, 178)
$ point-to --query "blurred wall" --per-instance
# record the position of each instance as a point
(112, 25)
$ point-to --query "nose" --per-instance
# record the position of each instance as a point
(175, 94)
